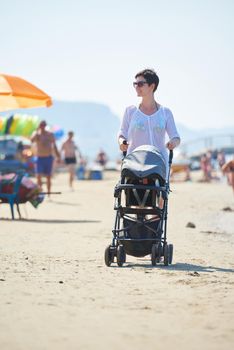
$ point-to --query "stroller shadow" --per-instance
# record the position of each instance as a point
(53, 221)
(64, 203)
(198, 268)
(180, 267)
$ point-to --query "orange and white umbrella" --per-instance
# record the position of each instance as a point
(18, 93)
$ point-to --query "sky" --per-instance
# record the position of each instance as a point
(90, 50)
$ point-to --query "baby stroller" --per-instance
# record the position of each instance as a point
(141, 201)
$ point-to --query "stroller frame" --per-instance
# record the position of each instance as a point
(152, 219)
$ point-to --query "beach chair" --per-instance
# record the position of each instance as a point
(11, 197)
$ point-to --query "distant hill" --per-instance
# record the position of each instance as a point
(96, 126)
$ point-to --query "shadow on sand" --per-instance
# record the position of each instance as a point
(53, 221)
(63, 203)
(198, 268)
(178, 267)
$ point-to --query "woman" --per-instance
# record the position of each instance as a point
(148, 123)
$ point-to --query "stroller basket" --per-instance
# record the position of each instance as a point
(139, 236)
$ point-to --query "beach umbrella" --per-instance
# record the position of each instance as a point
(18, 93)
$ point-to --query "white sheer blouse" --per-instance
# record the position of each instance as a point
(142, 129)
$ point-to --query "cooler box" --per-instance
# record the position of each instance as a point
(80, 173)
(96, 175)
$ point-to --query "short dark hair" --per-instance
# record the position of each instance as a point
(150, 76)
(42, 123)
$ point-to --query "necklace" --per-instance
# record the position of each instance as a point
(149, 112)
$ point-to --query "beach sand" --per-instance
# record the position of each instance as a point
(57, 293)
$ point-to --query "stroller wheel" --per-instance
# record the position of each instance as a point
(121, 255)
(108, 256)
(166, 254)
(154, 254)
(170, 251)
(159, 252)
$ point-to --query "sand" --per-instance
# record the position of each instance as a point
(57, 293)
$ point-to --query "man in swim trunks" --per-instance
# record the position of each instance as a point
(46, 148)
(70, 151)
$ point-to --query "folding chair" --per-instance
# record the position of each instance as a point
(13, 197)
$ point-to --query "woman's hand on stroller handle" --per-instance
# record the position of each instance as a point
(170, 145)
(123, 146)
(174, 142)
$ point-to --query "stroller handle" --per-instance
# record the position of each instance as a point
(170, 156)
(124, 153)
(170, 162)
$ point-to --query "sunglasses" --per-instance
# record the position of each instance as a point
(139, 83)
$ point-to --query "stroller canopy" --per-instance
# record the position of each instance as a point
(144, 161)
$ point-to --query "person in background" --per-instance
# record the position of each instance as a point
(19, 153)
(101, 158)
(45, 150)
(149, 122)
(221, 159)
(70, 151)
(205, 162)
(228, 169)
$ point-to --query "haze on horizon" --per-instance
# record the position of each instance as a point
(90, 51)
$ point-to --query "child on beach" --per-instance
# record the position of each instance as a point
(228, 169)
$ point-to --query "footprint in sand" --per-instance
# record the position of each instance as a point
(194, 274)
